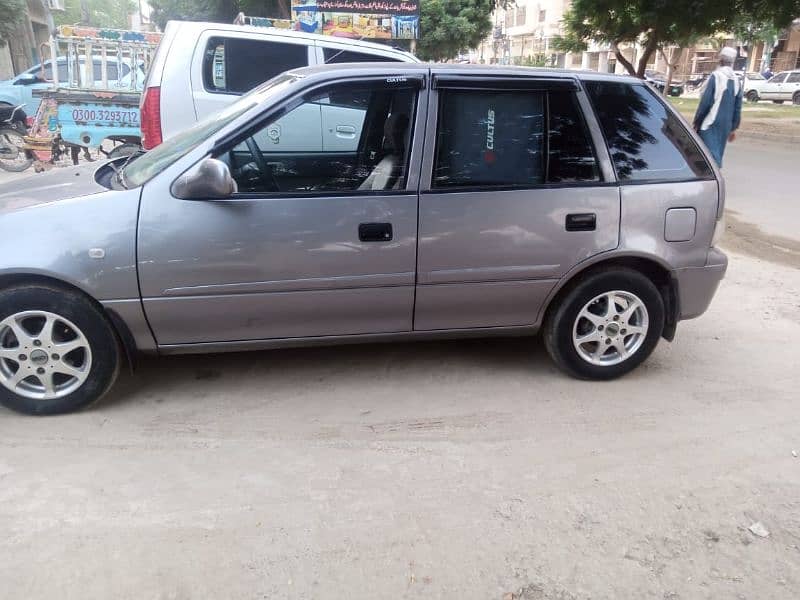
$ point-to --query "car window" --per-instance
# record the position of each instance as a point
(153, 162)
(236, 66)
(335, 55)
(793, 78)
(345, 137)
(778, 78)
(495, 138)
(646, 141)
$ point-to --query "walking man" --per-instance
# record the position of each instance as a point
(720, 110)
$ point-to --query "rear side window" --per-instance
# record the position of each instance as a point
(493, 138)
(793, 78)
(236, 66)
(334, 56)
(646, 141)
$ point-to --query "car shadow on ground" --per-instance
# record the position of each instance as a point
(394, 363)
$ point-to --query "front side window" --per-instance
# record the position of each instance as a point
(236, 66)
(494, 138)
(343, 138)
(778, 78)
(646, 141)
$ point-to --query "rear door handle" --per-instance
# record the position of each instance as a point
(581, 222)
(375, 232)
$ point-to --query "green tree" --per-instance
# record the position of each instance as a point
(12, 12)
(655, 23)
(101, 13)
(218, 11)
(448, 27)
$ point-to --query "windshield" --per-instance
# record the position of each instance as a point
(150, 164)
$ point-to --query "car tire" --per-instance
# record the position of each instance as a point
(752, 96)
(796, 98)
(621, 308)
(64, 343)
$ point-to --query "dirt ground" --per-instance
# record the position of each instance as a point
(431, 470)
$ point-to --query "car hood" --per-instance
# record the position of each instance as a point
(52, 186)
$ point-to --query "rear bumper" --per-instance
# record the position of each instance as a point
(697, 285)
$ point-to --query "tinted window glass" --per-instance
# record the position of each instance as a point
(647, 143)
(489, 138)
(570, 154)
(333, 56)
(344, 138)
(238, 65)
(793, 78)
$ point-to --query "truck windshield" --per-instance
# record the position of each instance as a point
(150, 164)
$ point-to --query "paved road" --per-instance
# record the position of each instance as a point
(763, 185)
(432, 470)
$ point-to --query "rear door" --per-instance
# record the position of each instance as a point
(513, 196)
(227, 64)
(792, 86)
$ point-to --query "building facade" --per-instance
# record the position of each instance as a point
(21, 50)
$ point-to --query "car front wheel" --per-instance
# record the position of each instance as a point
(58, 352)
(606, 325)
(752, 96)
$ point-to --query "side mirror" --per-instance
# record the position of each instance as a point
(27, 79)
(207, 180)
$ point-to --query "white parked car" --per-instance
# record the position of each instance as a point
(200, 68)
(782, 87)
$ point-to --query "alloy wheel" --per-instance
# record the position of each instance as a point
(42, 355)
(610, 328)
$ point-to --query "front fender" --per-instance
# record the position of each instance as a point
(88, 242)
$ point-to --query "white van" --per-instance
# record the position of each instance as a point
(201, 67)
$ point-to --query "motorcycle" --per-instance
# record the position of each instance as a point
(696, 82)
(14, 155)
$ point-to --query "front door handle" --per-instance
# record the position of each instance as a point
(375, 232)
(581, 222)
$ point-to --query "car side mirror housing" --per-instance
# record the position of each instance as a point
(209, 179)
(27, 79)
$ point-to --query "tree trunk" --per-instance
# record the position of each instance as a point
(671, 65)
(622, 60)
(85, 13)
(649, 48)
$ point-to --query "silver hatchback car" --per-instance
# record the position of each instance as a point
(424, 201)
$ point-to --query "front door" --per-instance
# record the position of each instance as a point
(772, 89)
(321, 238)
(513, 198)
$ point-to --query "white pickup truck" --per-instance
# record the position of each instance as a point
(201, 67)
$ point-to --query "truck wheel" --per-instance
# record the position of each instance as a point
(124, 150)
(752, 96)
(606, 325)
(58, 352)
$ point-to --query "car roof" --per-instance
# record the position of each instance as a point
(462, 69)
(198, 26)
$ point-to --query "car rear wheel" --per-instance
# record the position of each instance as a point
(752, 96)
(606, 325)
(796, 98)
(58, 353)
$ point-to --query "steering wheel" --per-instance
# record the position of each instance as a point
(264, 171)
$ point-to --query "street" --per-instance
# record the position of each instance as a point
(464, 469)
